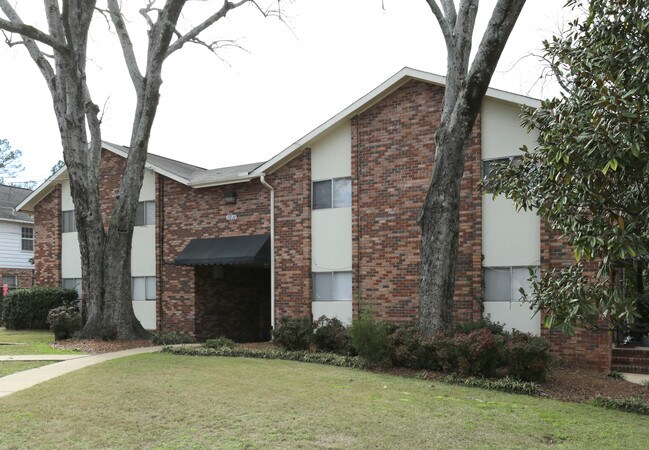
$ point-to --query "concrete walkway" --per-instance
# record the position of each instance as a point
(637, 378)
(23, 380)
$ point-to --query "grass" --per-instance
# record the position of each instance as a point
(34, 342)
(9, 367)
(170, 401)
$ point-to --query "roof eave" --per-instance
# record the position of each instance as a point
(223, 182)
(41, 191)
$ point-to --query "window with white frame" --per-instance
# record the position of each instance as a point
(332, 286)
(503, 284)
(69, 225)
(334, 193)
(145, 214)
(143, 288)
(10, 280)
(72, 283)
(27, 239)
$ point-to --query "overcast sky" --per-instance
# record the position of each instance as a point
(253, 103)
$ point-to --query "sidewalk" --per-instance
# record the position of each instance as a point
(68, 363)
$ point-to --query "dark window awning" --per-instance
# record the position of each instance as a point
(246, 250)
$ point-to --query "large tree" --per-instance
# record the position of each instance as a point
(107, 280)
(589, 175)
(466, 84)
(9, 160)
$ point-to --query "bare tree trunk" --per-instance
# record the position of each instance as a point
(465, 89)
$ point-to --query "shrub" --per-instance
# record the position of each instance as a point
(528, 357)
(369, 338)
(615, 375)
(405, 342)
(293, 334)
(28, 308)
(429, 353)
(630, 404)
(479, 352)
(64, 321)
(331, 336)
(503, 384)
(171, 338)
(302, 355)
(219, 342)
(485, 322)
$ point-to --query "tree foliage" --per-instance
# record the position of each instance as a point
(589, 175)
(9, 160)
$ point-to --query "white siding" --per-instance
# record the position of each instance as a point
(331, 154)
(331, 234)
(11, 254)
(509, 238)
(70, 256)
(341, 310)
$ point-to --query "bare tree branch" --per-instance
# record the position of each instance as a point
(54, 22)
(444, 24)
(127, 45)
(502, 21)
(194, 32)
(16, 25)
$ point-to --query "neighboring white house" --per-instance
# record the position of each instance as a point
(16, 239)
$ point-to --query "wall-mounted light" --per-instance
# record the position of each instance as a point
(230, 198)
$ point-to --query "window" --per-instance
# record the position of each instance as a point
(502, 284)
(69, 225)
(10, 280)
(329, 286)
(486, 164)
(145, 214)
(335, 193)
(72, 283)
(27, 239)
(143, 288)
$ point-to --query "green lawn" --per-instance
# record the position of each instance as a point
(168, 401)
(34, 342)
(9, 367)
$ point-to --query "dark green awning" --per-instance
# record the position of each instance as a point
(246, 250)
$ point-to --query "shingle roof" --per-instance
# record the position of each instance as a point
(10, 197)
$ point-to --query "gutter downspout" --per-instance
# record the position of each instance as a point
(272, 248)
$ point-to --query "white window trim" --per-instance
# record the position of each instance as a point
(74, 222)
(146, 206)
(332, 273)
(331, 192)
(510, 269)
(146, 291)
(23, 239)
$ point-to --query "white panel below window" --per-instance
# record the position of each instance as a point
(515, 315)
(341, 310)
(145, 313)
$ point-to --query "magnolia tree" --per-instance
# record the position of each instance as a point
(589, 175)
(466, 84)
(60, 53)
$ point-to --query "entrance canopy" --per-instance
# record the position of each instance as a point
(244, 250)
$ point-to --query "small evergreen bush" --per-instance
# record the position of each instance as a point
(485, 322)
(64, 321)
(331, 336)
(293, 334)
(369, 338)
(405, 342)
(219, 342)
(171, 338)
(479, 352)
(527, 357)
(27, 309)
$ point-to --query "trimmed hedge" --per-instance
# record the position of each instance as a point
(330, 359)
(293, 334)
(171, 338)
(27, 309)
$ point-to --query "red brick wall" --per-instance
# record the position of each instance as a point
(24, 277)
(184, 214)
(292, 185)
(586, 348)
(47, 239)
(392, 160)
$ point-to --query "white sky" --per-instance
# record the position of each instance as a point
(285, 83)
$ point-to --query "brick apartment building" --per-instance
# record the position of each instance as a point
(327, 223)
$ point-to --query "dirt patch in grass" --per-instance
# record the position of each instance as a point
(99, 346)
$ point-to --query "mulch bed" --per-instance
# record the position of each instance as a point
(568, 383)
